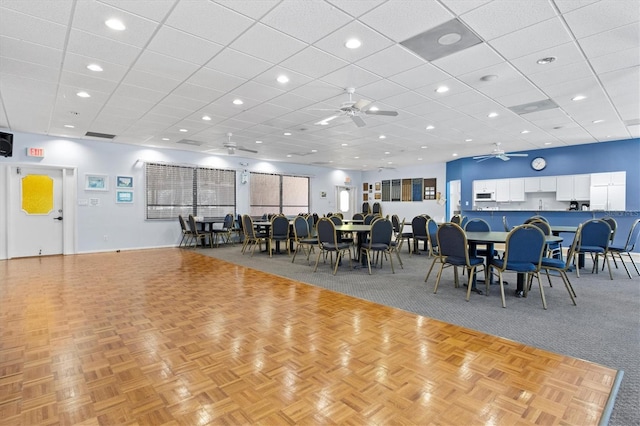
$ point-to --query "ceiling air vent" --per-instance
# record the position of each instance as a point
(100, 135)
(189, 142)
(443, 40)
(533, 107)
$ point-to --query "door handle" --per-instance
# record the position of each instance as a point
(57, 218)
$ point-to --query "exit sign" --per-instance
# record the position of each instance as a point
(35, 152)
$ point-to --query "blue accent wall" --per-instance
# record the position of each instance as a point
(567, 160)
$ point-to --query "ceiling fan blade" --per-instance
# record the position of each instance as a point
(247, 150)
(358, 120)
(517, 155)
(325, 121)
(361, 104)
(390, 113)
(503, 157)
(483, 158)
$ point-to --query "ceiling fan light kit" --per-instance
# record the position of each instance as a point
(354, 110)
(232, 146)
(498, 153)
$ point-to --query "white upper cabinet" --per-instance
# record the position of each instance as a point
(573, 187)
(540, 184)
(608, 191)
(508, 190)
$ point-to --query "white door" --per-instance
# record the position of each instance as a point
(36, 216)
(346, 201)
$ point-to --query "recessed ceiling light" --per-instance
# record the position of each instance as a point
(115, 24)
(382, 137)
(419, 159)
(442, 89)
(69, 126)
(578, 98)
(430, 127)
(489, 77)
(424, 147)
(344, 144)
(597, 121)
(165, 139)
(547, 143)
(468, 140)
(373, 108)
(288, 155)
(83, 94)
(258, 141)
(492, 115)
(389, 162)
(544, 61)
(525, 131)
(184, 130)
(314, 150)
(353, 43)
(94, 67)
(356, 157)
(206, 118)
(454, 154)
(387, 152)
(449, 39)
(283, 79)
(287, 133)
(237, 102)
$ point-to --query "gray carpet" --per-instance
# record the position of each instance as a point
(603, 328)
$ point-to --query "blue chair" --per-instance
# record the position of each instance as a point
(432, 230)
(225, 232)
(561, 266)
(302, 238)
(252, 237)
(454, 251)
(328, 243)
(379, 242)
(594, 239)
(505, 224)
(479, 225)
(419, 228)
(554, 249)
(524, 247)
(628, 247)
(279, 232)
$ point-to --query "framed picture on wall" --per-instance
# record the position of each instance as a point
(365, 197)
(377, 186)
(96, 182)
(124, 181)
(378, 196)
(124, 197)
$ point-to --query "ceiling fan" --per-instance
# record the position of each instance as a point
(232, 146)
(353, 110)
(498, 153)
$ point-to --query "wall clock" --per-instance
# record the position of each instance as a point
(538, 163)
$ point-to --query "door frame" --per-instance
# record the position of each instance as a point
(69, 208)
(352, 198)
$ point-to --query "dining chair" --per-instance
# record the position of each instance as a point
(419, 229)
(199, 235)
(187, 235)
(432, 229)
(479, 225)
(536, 217)
(279, 233)
(396, 242)
(505, 224)
(376, 209)
(554, 249)
(358, 216)
(627, 248)
(379, 242)
(454, 251)
(457, 219)
(252, 237)
(594, 239)
(302, 238)
(562, 266)
(614, 227)
(328, 243)
(225, 232)
(524, 247)
(311, 221)
(366, 208)
(395, 221)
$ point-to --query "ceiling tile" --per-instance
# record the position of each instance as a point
(151, 9)
(163, 65)
(267, 44)
(470, 59)
(93, 46)
(400, 20)
(390, 61)
(498, 18)
(313, 62)
(534, 38)
(350, 76)
(605, 43)
(371, 40)
(307, 21)
(602, 16)
(356, 8)
(420, 76)
(178, 44)
(31, 29)
(238, 64)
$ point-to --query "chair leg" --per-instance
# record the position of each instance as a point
(504, 303)
(317, 260)
(632, 262)
(606, 258)
(430, 269)
(568, 286)
(435, 288)
(544, 301)
(368, 260)
(391, 263)
(472, 272)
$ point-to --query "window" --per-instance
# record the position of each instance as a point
(271, 193)
(180, 190)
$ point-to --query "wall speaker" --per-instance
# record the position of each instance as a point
(6, 144)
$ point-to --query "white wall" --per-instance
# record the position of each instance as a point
(124, 224)
(410, 209)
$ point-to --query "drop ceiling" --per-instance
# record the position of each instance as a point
(178, 61)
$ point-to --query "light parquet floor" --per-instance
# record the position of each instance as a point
(173, 337)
